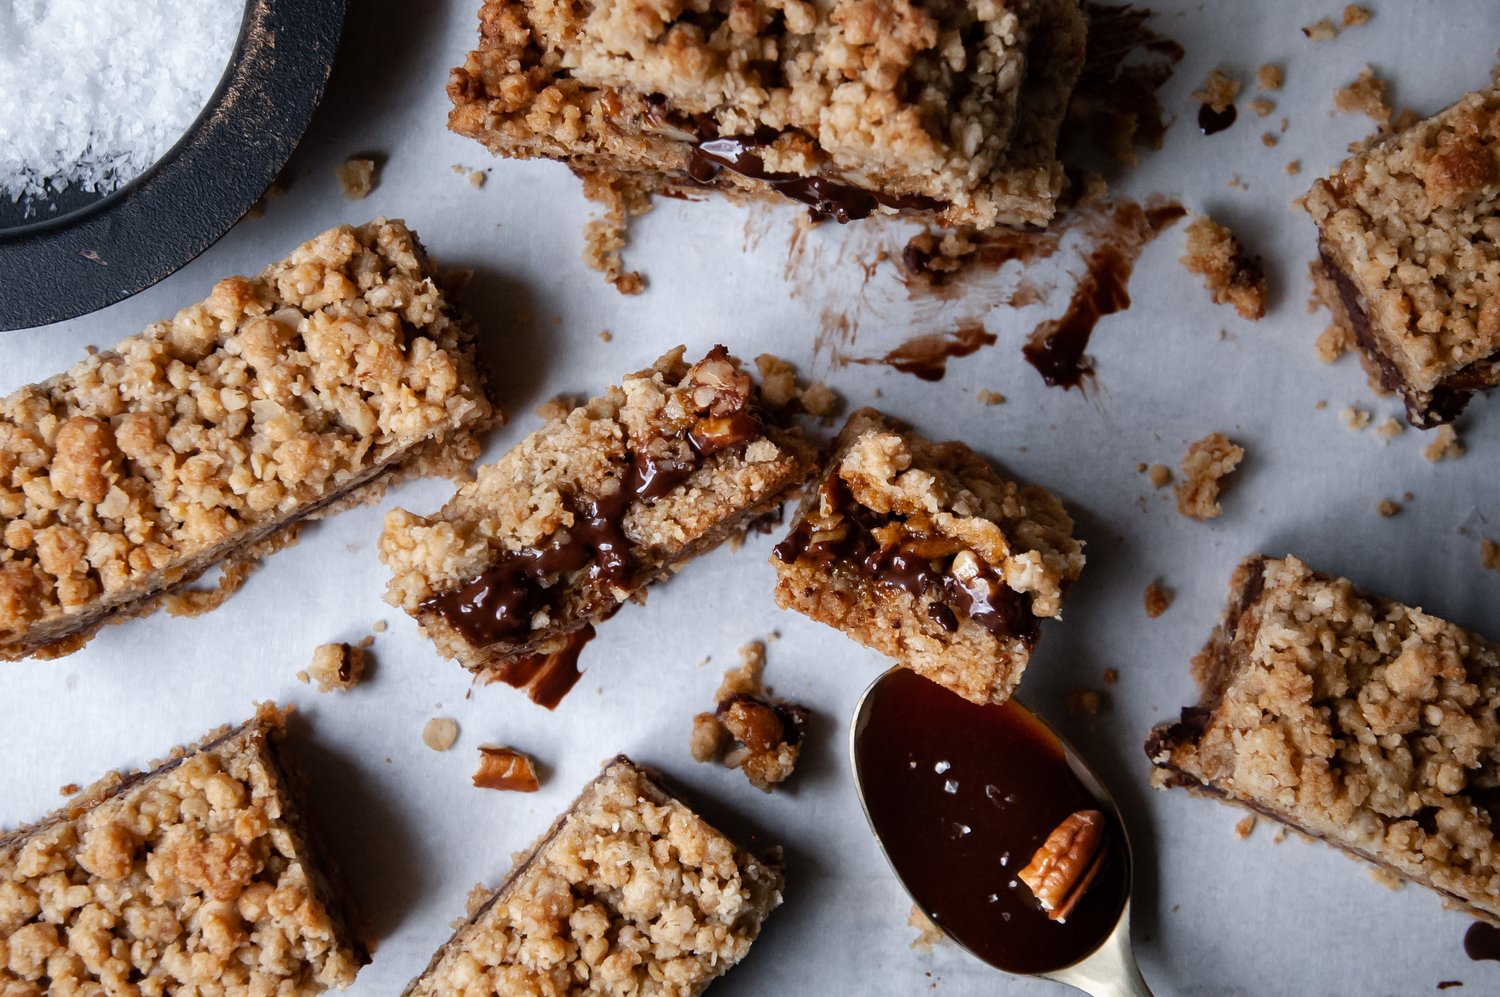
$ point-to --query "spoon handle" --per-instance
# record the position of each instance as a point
(1111, 971)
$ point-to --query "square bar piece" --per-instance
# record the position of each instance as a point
(629, 893)
(197, 877)
(947, 108)
(209, 437)
(921, 551)
(1409, 235)
(511, 575)
(1353, 719)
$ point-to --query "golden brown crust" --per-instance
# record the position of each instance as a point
(954, 100)
(1022, 536)
(629, 893)
(196, 876)
(1352, 718)
(1408, 228)
(281, 397)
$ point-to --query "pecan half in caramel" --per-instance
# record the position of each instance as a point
(1065, 866)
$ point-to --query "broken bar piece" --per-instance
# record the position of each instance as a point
(1409, 244)
(628, 893)
(921, 551)
(210, 437)
(1351, 718)
(512, 574)
(946, 109)
(196, 877)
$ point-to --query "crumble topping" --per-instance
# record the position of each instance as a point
(1321, 31)
(630, 894)
(1230, 274)
(1368, 723)
(1205, 464)
(1355, 419)
(141, 466)
(192, 878)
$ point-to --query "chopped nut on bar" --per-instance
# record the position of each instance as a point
(858, 107)
(751, 730)
(1351, 718)
(923, 552)
(337, 666)
(512, 574)
(198, 877)
(1409, 264)
(506, 769)
(629, 892)
(206, 439)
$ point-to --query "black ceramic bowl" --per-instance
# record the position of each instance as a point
(79, 252)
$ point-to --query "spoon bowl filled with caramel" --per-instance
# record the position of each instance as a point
(1002, 835)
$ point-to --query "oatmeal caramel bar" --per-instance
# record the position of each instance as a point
(1353, 719)
(280, 398)
(1409, 238)
(949, 108)
(196, 877)
(586, 512)
(921, 551)
(629, 893)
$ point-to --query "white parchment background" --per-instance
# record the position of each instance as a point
(1214, 915)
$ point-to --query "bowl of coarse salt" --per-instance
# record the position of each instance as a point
(135, 133)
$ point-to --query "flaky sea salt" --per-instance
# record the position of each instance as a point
(92, 93)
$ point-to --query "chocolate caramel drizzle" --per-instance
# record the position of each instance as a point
(927, 355)
(911, 564)
(1212, 122)
(501, 601)
(826, 198)
(549, 675)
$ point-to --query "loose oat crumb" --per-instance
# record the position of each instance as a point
(1140, 468)
(1205, 464)
(1390, 428)
(1355, 15)
(1218, 91)
(1157, 600)
(987, 397)
(781, 388)
(1262, 107)
(1231, 275)
(303, 677)
(1160, 475)
(1294, 167)
(1268, 140)
(1387, 508)
(356, 178)
(379, 626)
(1366, 95)
(1444, 445)
(1321, 404)
(604, 238)
(1333, 342)
(750, 730)
(1489, 554)
(1087, 702)
(1244, 827)
(71, 789)
(477, 179)
(1111, 676)
(337, 666)
(1386, 878)
(505, 769)
(1270, 77)
(1324, 30)
(366, 642)
(440, 733)
(928, 934)
(1355, 419)
(606, 336)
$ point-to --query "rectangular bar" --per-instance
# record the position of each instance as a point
(923, 552)
(1351, 718)
(589, 510)
(948, 109)
(629, 892)
(196, 877)
(1410, 256)
(282, 397)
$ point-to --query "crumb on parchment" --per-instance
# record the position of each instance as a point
(356, 178)
(1204, 466)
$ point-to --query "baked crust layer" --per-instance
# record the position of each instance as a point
(923, 552)
(945, 107)
(1409, 234)
(1351, 718)
(629, 893)
(279, 398)
(591, 508)
(198, 876)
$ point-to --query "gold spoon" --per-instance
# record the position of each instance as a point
(1109, 968)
